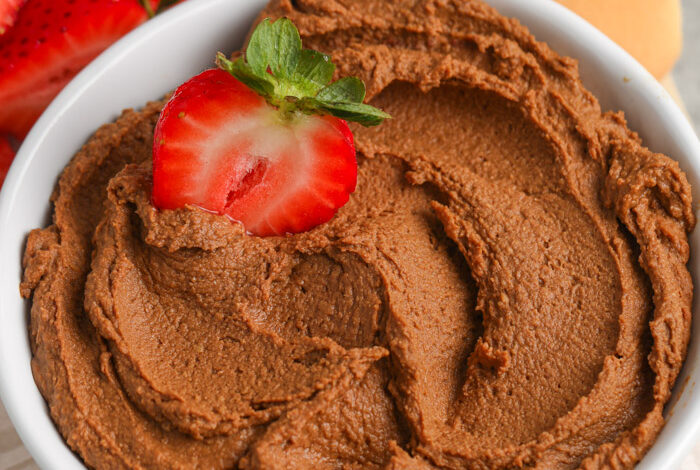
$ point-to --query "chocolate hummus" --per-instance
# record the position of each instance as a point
(506, 288)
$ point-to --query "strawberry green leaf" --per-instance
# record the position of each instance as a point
(244, 73)
(260, 47)
(345, 90)
(362, 113)
(275, 45)
(309, 105)
(297, 80)
(288, 50)
(315, 68)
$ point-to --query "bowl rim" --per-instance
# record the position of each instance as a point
(669, 448)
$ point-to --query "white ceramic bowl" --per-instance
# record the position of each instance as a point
(169, 49)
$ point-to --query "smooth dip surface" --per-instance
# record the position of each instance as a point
(506, 288)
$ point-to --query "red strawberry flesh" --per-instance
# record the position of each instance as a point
(8, 13)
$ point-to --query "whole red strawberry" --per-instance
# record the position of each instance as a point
(262, 139)
(8, 13)
(50, 42)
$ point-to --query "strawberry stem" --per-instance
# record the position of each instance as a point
(162, 6)
(165, 4)
(146, 4)
(288, 107)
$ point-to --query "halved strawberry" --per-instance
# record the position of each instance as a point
(220, 146)
(51, 41)
(7, 154)
(8, 13)
(262, 141)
